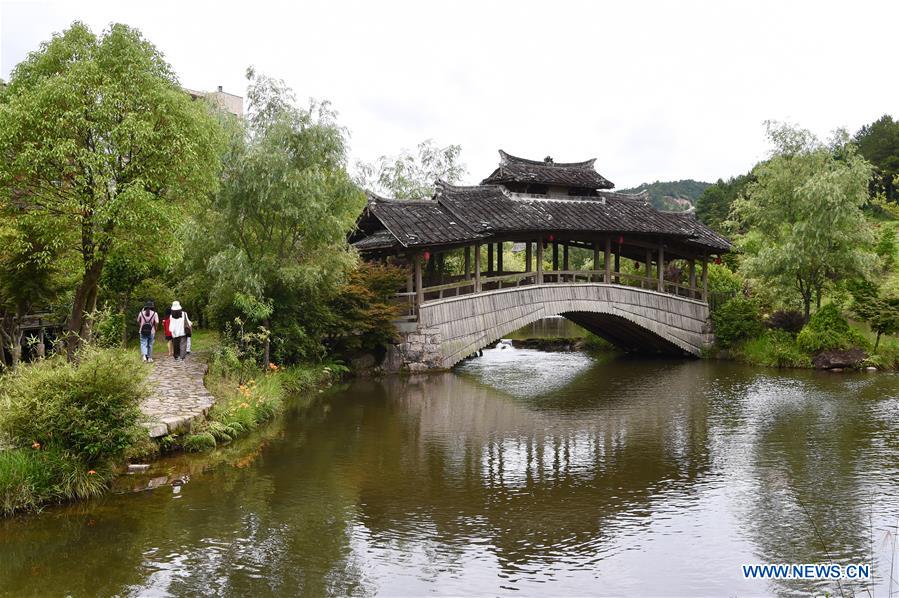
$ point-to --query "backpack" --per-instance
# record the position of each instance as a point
(146, 327)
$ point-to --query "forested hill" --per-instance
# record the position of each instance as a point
(671, 195)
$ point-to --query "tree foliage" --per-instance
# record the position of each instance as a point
(714, 205)
(100, 144)
(879, 311)
(803, 213)
(878, 142)
(412, 176)
(280, 220)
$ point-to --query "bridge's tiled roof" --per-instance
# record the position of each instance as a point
(460, 214)
(490, 208)
(412, 223)
(513, 169)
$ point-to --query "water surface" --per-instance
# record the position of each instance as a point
(520, 473)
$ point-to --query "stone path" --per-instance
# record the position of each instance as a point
(179, 399)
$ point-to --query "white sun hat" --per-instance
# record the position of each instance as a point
(176, 305)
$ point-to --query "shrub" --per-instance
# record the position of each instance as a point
(90, 409)
(788, 320)
(828, 330)
(109, 329)
(30, 478)
(736, 320)
(196, 443)
(775, 348)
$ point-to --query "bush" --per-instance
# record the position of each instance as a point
(735, 320)
(829, 330)
(30, 478)
(788, 320)
(775, 348)
(109, 329)
(196, 443)
(89, 409)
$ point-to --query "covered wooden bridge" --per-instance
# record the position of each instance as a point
(540, 238)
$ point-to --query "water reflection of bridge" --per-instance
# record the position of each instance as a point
(540, 482)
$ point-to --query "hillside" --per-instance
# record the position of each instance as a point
(671, 195)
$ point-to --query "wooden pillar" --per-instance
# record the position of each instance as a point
(477, 268)
(41, 349)
(439, 267)
(527, 256)
(499, 257)
(705, 278)
(467, 264)
(608, 260)
(419, 293)
(618, 264)
(565, 256)
(489, 258)
(692, 279)
(661, 267)
(540, 259)
(595, 278)
(648, 274)
(555, 255)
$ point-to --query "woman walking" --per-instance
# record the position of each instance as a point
(165, 327)
(179, 324)
(147, 320)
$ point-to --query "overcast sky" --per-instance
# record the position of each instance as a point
(653, 90)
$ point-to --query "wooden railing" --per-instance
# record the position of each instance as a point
(460, 285)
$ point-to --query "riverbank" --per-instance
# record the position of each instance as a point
(70, 429)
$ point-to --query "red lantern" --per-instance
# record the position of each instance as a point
(620, 239)
(718, 260)
(551, 238)
(426, 255)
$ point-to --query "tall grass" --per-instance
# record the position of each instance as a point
(247, 397)
(68, 424)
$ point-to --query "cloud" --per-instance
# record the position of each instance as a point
(653, 89)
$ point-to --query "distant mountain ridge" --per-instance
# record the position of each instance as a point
(676, 196)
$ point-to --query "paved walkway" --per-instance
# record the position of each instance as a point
(179, 398)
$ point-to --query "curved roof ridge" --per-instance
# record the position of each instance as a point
(506, 157)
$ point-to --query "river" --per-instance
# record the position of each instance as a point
(519, 473)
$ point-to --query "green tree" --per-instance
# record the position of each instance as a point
(408, 176)
(878, 142)
(803, 214)
(879, 311)
(30, 279)
(714, 205)
(284, 210)
(886, 247)
(100, 144)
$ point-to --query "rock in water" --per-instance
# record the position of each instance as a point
(829, 360)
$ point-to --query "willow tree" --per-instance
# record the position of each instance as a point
(412, 176)
(286, 205)
(803, 215)
(100, 144)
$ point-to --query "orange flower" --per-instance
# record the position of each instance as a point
(36, 445)
(272, 367)
(91, 472)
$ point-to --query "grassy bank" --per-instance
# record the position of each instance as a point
(247, 397)
(782, 339)
(67, 426)
(67, 429)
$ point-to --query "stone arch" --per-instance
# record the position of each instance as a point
(451, 329)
